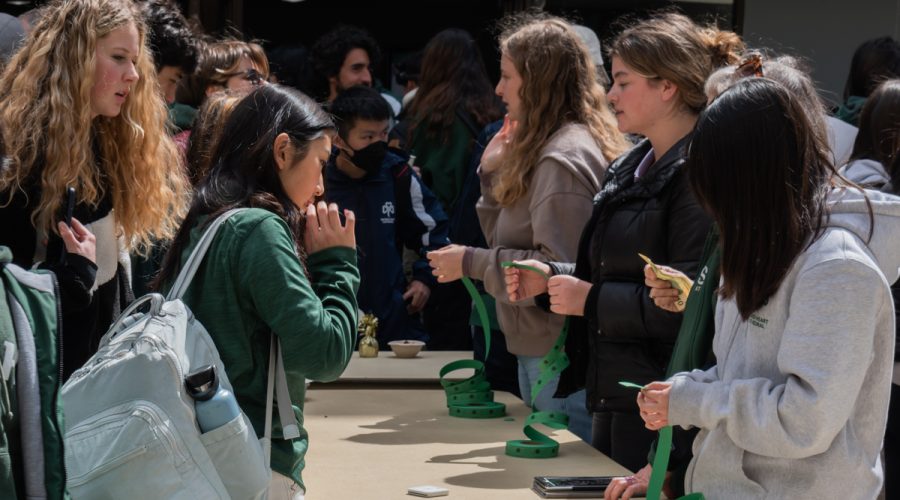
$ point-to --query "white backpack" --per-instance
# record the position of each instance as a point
(131, 428)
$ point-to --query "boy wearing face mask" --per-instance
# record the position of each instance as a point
(393, 210)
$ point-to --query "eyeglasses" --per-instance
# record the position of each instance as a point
(254, 77)
(251, 75)
(750, 66)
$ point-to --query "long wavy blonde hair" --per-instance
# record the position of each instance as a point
(49, 135)
(559, 86)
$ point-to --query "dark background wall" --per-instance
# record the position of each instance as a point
(404, 26)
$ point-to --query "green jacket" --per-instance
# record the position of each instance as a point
(34, 296)
(252, 283)
(181, 117)
(693, 346)
(444, 163)
(850, 109)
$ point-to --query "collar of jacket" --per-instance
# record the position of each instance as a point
(620, 183)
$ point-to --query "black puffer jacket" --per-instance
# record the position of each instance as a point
(623, 335)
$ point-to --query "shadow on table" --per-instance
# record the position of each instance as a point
(423, 428)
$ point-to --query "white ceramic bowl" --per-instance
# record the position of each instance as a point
(406, 348)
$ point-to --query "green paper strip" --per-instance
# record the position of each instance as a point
(660, 463)
(524, 266)
(661, 460)
(553, 363)
(478, 302)
(490, 409)
(472, 397)
(539, 445)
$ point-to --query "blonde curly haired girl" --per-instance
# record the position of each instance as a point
(80, 108)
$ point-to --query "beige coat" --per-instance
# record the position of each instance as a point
(545, 224)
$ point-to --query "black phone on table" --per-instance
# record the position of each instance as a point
(571, 486)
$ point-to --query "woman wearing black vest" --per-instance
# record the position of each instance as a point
(645, 206)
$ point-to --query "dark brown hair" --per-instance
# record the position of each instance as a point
(873, 62)
(453, 75)
(760, 169)
(879, 129)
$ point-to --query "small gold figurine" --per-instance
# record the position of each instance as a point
(368, 346)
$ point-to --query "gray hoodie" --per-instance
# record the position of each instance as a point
(797, 405)
(867, 173)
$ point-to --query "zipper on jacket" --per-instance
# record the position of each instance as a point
(56, 389)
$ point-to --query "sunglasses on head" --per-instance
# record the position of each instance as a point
(750, 66)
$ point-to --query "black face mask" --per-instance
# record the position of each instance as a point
(370, 157)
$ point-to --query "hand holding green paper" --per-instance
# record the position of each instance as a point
(525, 279)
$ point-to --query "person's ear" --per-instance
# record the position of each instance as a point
(668, 90)
(333, 85)
(339, 142)
(281, 148)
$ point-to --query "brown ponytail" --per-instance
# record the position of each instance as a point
(725, 47)
(671, 47)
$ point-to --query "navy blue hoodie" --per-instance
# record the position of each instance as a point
(393, 210)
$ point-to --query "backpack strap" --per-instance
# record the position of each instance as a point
(29, 404)
(270, 390)
(193, 262)
(289, 426)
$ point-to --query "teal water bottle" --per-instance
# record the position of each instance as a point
(215, 406)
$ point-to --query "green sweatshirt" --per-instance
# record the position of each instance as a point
(250, 284)
(444, 163)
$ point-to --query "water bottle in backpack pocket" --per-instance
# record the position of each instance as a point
(215, 405)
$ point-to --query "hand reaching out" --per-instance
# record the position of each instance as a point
(446, 263)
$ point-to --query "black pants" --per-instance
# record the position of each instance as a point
(622, 437)
(892, 448)
(446, 318)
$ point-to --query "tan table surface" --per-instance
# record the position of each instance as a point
(373, 442)
(389, 368)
